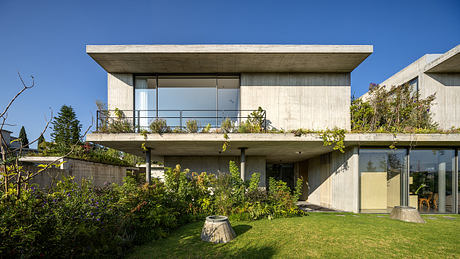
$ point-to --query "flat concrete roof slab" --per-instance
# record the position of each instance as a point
(228, 58)
(446, 63)
(275, 147)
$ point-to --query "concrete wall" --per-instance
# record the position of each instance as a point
(333, 180)
(446, 110)
(120, 91)
(299, 100)
(100, 174)
(218, 164)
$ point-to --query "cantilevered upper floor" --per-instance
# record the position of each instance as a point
(298, 86)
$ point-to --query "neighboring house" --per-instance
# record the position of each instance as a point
(435, 73)
(298, 86)
(9, 139)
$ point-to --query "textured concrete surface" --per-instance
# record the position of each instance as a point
(228, 58)
(333, 181)
(217, 231)
(120, 92)
(275, 147)
(299, 100)
(449, 62)
(407, 214)
(99, 173)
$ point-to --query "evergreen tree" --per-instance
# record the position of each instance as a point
(66, 127)
(23, 137)
(41, 140)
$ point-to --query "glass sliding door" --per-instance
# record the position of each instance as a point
(380, 172)
(431, 179)
(145, 101)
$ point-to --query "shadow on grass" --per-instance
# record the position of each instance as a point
(241, 229)
(186, 243)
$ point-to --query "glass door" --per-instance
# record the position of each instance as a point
(431, 180)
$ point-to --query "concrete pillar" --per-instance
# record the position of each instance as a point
(148, 168)
(243, 163)
(442, 187)
(355, 174)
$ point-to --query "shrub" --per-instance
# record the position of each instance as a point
(207, 128)
(227, 125)
(159, 126)
(79, 220)
(192, 126)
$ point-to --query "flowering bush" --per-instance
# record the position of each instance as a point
(79, 220)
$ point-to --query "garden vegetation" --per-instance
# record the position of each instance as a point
(76, 219)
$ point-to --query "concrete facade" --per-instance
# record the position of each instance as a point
(299, 86)
(440, 74)
(120, 91)
(299, 100)
(333, 180)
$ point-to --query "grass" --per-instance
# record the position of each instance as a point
(325, 235)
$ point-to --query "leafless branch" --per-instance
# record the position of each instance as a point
(50, 164)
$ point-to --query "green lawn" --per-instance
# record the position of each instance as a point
(318, 235)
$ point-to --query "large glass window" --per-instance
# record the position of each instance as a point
(206, 99)
(431, 179)
(187, 98)
(380, 172)
(228, 93)
(145, 101)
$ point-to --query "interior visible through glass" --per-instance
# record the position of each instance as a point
(380, 172)
(430, 181)
(206, 99)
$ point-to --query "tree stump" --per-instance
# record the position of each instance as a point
(407, 214)
(217, 229)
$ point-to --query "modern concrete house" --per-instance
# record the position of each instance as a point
(297, 86)
(435, 73)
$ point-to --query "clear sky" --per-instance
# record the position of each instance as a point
(47, 39)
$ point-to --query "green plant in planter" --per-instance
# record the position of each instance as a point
(192, 126)
(120, 124)
(227, 125)
(159, 126)
(207, 128)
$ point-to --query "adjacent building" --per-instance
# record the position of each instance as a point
(439, 74)
(297, 86)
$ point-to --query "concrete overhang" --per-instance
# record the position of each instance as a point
(275, 147)
(228, 58)
(449, 62)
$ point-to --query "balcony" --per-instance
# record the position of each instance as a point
(181, 121)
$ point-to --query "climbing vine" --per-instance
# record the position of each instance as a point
(394, 110)
(334, 137)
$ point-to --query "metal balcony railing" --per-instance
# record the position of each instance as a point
(138, 120)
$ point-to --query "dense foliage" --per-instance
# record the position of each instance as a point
(76, 219)
(66, 127)
(89, 152)
(397, 109)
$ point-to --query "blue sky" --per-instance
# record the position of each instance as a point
(47, 39)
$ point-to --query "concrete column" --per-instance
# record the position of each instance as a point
(148, 168)
(355, 174)
(243, 163)
(442, 187)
